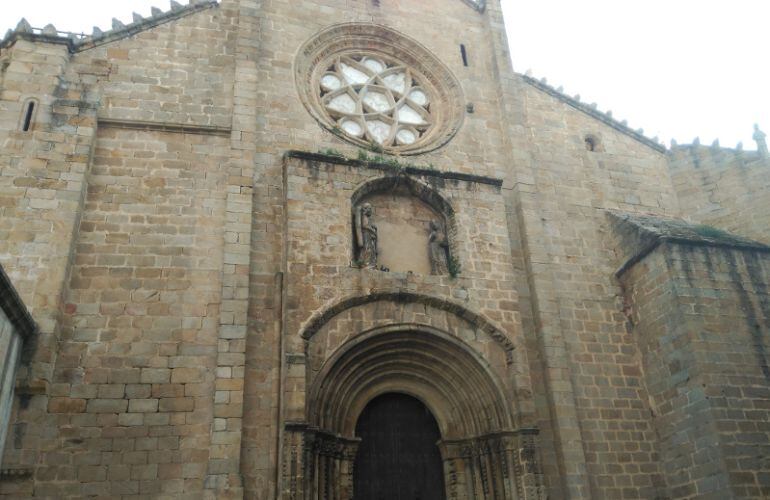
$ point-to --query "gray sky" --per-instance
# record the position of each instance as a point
(677, 68)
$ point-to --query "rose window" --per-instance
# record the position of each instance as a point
(372, 86)
(377, 100)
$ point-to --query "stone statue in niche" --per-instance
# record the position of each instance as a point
(366, 236)
(438, 249)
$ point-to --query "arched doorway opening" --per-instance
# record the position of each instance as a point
(398, 457)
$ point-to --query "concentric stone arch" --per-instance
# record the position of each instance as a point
(447, 375)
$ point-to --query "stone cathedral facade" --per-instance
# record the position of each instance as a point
(338, 249)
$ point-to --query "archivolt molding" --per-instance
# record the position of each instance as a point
(316, 322)
(448, 376)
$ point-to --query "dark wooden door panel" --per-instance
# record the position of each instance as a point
(398, 458)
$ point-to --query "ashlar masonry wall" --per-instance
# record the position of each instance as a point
(593, 401)
(42, 184)
(173, 254)
(128, 244)
(701, 317)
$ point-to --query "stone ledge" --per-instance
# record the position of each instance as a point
(426, 172)
(179, 128)
(641, 234)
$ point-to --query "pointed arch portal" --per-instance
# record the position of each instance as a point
(482, 454)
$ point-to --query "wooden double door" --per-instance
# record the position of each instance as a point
(398, 458)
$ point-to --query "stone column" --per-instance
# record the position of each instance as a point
(502, 465)
(455, 474)
(522, 446)
(316, 464)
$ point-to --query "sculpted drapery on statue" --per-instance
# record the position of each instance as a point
(438, 248)
(366, 236)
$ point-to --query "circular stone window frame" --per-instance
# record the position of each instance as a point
(446, 97)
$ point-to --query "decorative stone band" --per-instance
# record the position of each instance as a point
(375, 87)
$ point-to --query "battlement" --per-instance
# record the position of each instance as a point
(593, 111)
(77, 42)
(725, 187)
(715, 156)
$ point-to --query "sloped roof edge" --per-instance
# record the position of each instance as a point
(594, 113)
(479, 5)
(650, 231)
(78, 43)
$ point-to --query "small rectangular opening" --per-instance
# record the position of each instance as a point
(464, 54)
(28, 117)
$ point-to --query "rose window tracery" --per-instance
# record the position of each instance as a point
(376, 99)
(373, 86)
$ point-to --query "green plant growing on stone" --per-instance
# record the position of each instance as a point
(396, 165)
(710, 231)
(453, 266)
(393, 162)
(332, 152)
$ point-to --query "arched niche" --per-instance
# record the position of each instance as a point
(415, 227)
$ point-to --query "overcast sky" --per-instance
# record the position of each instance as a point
(677, 68)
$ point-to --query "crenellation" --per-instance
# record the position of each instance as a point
(722, 186)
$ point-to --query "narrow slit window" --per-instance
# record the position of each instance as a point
(464, 54)
(29, 114)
